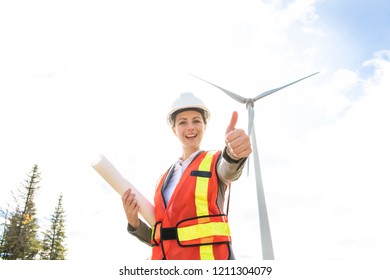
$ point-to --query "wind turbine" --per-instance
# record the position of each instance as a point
(265, 232)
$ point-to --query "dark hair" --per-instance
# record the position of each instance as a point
(174, 114)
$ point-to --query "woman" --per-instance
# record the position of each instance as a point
(189, 200)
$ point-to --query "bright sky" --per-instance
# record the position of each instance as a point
(79, 78)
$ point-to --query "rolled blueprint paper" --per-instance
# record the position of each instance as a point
(120, 185)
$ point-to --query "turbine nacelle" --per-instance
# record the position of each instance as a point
(250, 102)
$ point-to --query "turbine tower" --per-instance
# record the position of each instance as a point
(265, 232)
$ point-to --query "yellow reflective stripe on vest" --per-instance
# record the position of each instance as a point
(206, 252)
(201, 202)
(202, 185)
(203, 230)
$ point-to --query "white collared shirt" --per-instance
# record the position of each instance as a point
(178, 170)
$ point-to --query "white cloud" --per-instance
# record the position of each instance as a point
(340, 183)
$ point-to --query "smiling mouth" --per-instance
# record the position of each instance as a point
(191, 136)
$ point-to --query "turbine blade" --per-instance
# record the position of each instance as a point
(264, 94)
(265, 231)
(231, 94)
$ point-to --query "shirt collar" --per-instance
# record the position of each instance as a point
(184, 164)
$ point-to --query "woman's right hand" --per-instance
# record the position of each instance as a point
(131, 208)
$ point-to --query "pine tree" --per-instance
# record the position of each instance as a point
(53, 247)
(4, 224)
(21, 241)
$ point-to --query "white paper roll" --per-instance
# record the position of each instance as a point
(120, 185)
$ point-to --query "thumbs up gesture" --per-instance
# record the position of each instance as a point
(237, 141)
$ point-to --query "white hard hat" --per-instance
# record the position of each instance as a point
(187, 101)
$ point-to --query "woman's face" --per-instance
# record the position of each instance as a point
(189, 128)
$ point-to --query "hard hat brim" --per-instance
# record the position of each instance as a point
(188, 108)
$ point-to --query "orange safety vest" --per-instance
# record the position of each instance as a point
(191, 226)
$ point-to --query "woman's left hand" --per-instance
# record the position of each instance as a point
(237, 141)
